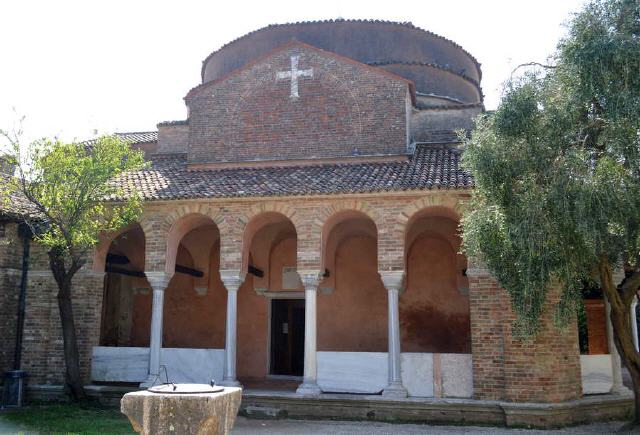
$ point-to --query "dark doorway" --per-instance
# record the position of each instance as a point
(287, 337)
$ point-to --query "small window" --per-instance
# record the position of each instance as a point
(2, 229)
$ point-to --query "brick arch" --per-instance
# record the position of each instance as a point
(101, 250)
(256, 219)
(340, 206)
(274, 207)
(444, 206)
(337, 208)
(331, 224)
(195, 208)
(450, 202)
(179, 222)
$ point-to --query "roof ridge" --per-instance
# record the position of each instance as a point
(136, 132)
(450, 107)
(407, 24)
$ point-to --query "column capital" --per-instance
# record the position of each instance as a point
(158, 280)
(310, 279)
(232, 279)
(392, 279)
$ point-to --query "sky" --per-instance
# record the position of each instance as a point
(77, 68)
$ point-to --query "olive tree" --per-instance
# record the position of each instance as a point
(557, 175)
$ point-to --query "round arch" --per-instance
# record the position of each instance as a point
(334, 229)
(257, 222)
(180, 228)
(102, 249)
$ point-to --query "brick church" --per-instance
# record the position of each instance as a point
(300, 234)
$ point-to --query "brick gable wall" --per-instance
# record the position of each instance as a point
(346, 108)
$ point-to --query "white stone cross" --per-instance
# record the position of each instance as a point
(293, 75)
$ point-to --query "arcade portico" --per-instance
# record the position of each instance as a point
(358, 288)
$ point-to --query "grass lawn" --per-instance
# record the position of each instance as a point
(64, 419)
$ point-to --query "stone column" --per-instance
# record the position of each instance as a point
(232, 281)
(393, 283)
(158, 282)
(634, 324)
(309, 384)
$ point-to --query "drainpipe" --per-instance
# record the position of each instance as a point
(13, 393)
(25, 234)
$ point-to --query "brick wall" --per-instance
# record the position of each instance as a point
(543, 369)
(173, 137)
(10, 272)
(424, 123)
(346, 108)
(42, 355)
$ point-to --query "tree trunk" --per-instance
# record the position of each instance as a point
(623, 335)
(620, 302)
(73, 379)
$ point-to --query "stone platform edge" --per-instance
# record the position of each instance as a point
(278, 404)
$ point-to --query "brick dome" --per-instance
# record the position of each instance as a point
(436, 65)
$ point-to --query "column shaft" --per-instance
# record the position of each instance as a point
(158, 282)
(309, 384)
(394, 337)
(231, 338)
(155, 345)
(393, 283)
(232, 281)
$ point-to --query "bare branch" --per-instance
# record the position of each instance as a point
(522, 65)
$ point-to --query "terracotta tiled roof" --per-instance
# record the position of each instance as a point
(431, 167)
(14, 205)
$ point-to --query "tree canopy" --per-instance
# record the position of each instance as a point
(67, 185)
(557, 167)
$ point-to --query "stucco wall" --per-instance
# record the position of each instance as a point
(353, 317)
(195, 320)
(596, 326)
(434, 311)
(253, 330)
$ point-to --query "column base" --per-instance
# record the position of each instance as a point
(309, 389)
(230, 383)
(395, 390)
